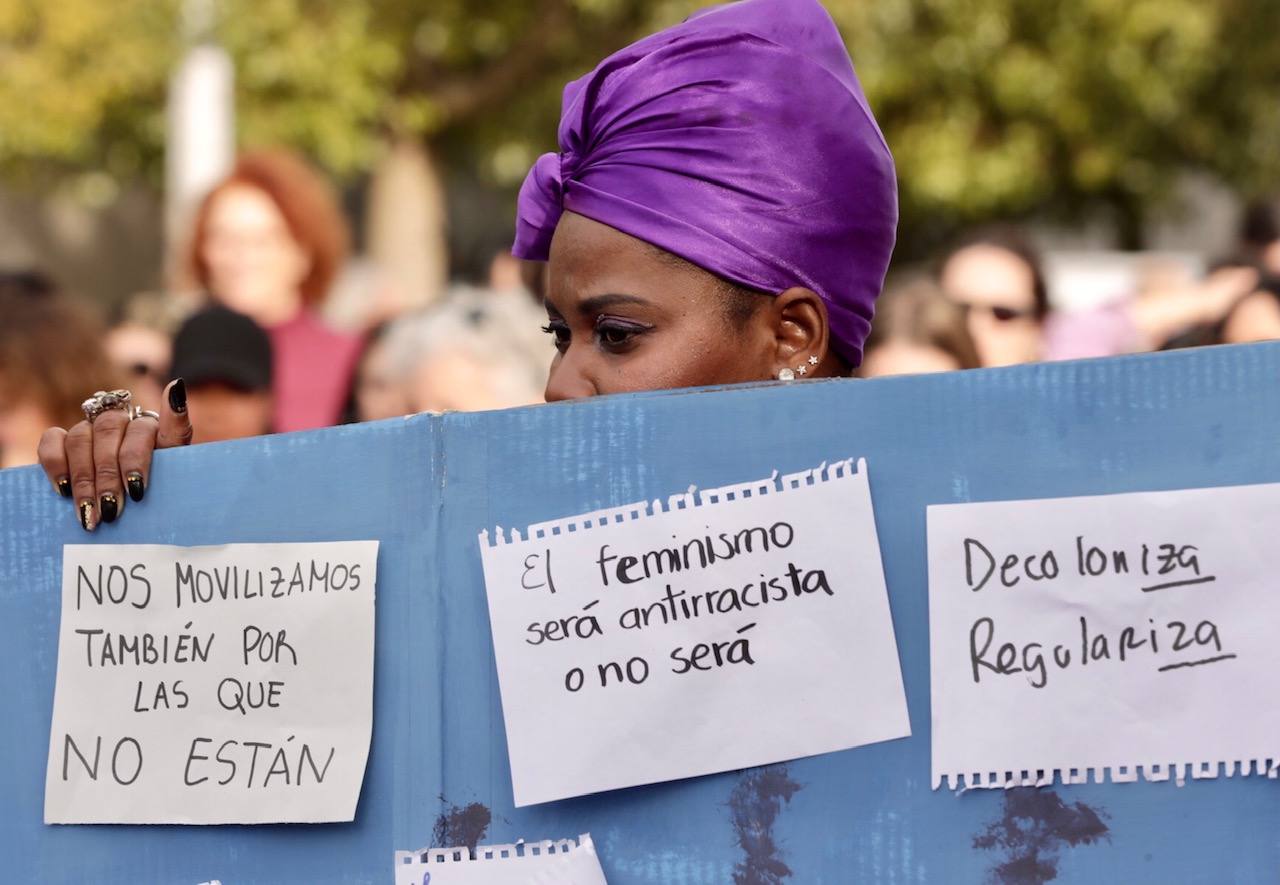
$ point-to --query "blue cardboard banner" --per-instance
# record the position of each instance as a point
(424, 486)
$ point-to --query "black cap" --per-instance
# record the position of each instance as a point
(220, 346)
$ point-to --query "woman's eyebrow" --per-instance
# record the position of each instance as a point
(599, 302)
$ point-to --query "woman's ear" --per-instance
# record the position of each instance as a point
(802, 334)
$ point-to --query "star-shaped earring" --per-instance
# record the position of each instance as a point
(801, 369)
(813, 360)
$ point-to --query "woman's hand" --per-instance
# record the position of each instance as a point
(94, 462)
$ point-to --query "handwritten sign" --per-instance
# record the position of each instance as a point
(208, 685)
(725, 629)
(1127, 634)
(562, 862)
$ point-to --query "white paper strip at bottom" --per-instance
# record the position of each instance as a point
(562, 862)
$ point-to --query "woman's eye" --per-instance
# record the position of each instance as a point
(560, 333)
(617, 336)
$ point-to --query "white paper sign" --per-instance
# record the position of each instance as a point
(1127, 634)
(525, 863)
(729, 628)
(205, 685)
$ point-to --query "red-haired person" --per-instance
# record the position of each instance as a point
(268, 241)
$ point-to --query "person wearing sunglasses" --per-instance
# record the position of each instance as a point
(995, 275)
(140, 343)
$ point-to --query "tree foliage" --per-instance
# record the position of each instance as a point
(999, 107)
(481, 76)
(82, 84)
(992, 107)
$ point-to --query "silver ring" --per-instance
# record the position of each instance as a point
(139, 412)
(106, 401)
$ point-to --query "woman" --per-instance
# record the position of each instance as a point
(268, 242)
(722, 210)
(995, 275)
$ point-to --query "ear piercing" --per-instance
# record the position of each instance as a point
(802, 369)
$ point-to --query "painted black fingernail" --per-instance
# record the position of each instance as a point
(64, 486)
(86, 515)
(178, 396)
(109, 506)
(133, 481)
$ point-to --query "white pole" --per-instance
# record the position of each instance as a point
(200, 136)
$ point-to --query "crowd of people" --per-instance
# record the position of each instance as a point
(245, 325)
(988, 304)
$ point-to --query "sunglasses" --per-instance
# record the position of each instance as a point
(28, 283)
(142, 370)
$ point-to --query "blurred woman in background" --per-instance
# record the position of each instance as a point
(140, 343)
(51, 357)
(995, 276)
(268, 242)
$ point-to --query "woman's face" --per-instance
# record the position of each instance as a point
(998, 289)
(255, 265)
(626, 319)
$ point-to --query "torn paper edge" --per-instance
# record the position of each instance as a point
(521, 849)
(773, 484)
(1116, 774)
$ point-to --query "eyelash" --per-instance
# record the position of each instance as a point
(560, 331)
(626, 333)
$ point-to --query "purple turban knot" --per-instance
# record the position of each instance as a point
(741, 141)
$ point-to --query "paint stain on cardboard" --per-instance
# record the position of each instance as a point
(457, 826)
(754, 806)
(1032, 831)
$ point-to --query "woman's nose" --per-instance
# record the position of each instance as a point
(567, 379)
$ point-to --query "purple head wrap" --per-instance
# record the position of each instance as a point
(741, 141)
